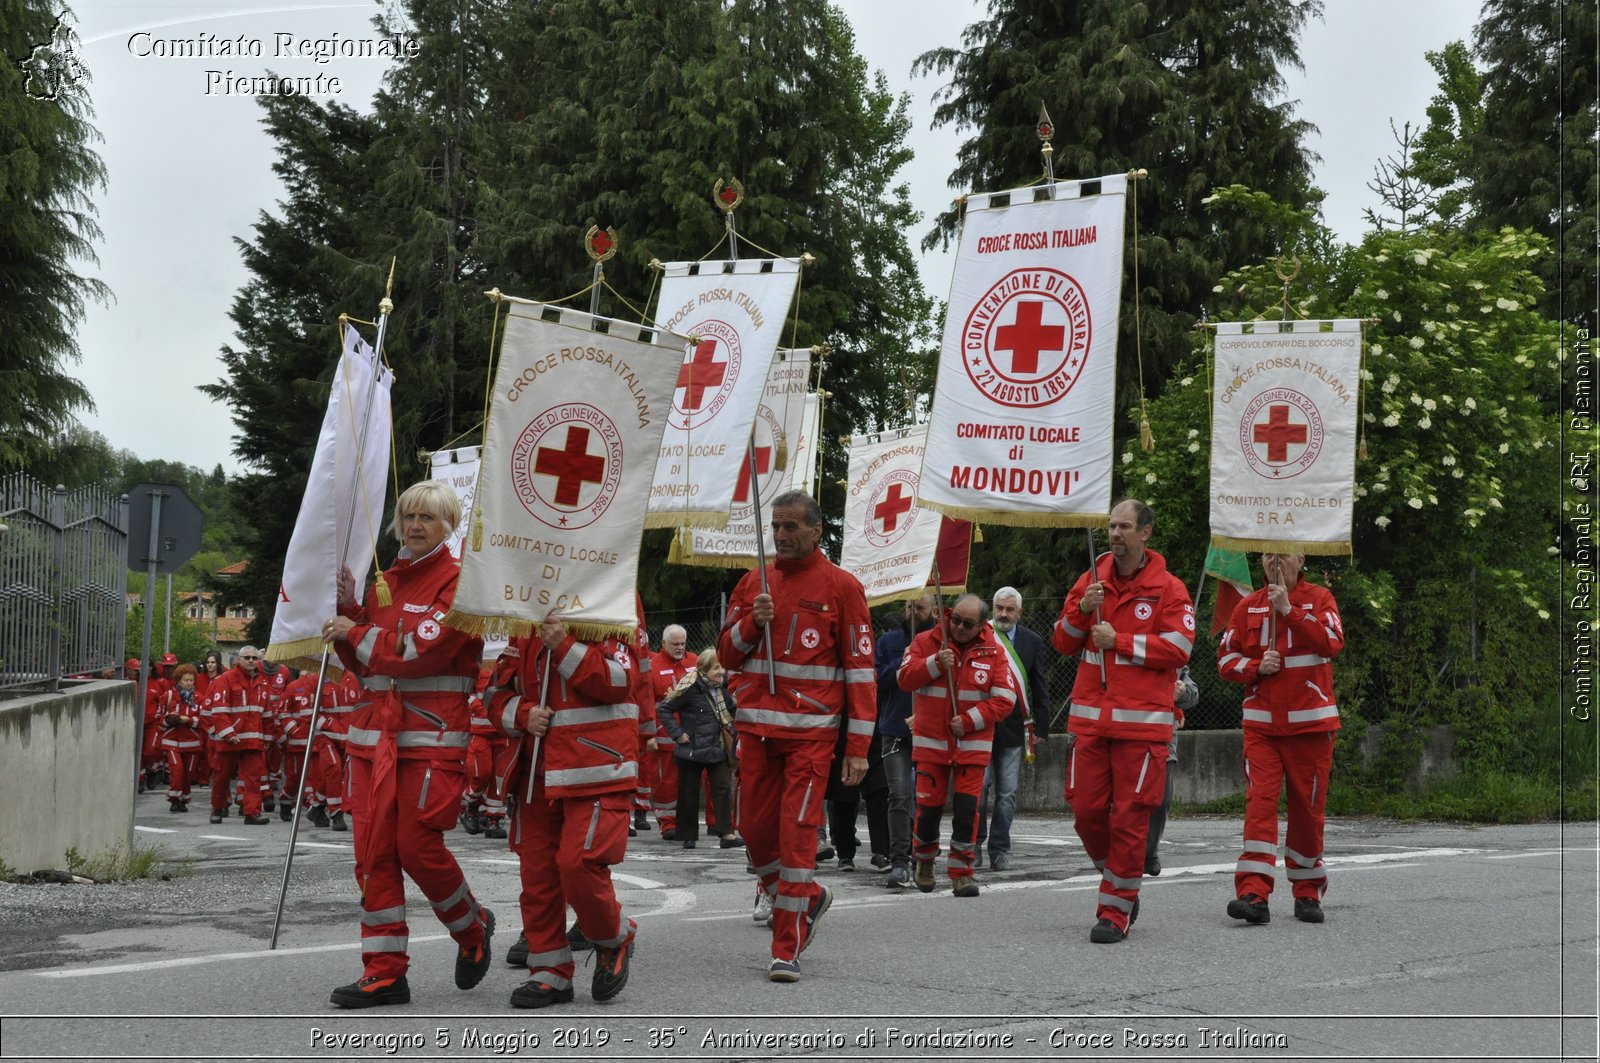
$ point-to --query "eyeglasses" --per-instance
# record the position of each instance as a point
(247, 657)
(963, 622)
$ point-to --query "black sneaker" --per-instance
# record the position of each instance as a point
(611, 966)
(174, 805)
(472, 964)
(1105, 932)
(318, 815)
(535, 994)
(285, 811)
(517, 954)
(267, 805)
(1250, 908)
(336, 821)
(783, 971)
(899, 878)
(668, 834)
(640, 820)
(256, 821)
(819, 908)
(470, 822)
(495, 829)
(847, 863)
(1307, 910)
(216, 817)
(577, 940)
(879, 862)
(1152, 866)
(372, 992)
(732, 841)
(824, 853)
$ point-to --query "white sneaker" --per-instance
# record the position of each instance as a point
(763, 912)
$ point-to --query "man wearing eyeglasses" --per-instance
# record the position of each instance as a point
(1132, 625)
(234, 705)
(961, 685)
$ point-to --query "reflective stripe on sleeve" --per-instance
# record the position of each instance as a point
(368, 643)
(1178, 640)
(1139, 650)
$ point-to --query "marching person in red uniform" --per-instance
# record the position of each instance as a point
(180, 736)
(233, 714)
(1130, 621)
(295, 724)
(407, 742)
(1280, 643)
(272, 721)
(815, 625)
(666, 669)
(487, 756)
(569, 707)
(954, 747)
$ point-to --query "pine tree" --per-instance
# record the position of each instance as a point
(1183, 90)
(48, 173)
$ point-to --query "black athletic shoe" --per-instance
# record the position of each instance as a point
(611, 967)
(285, 811)
(534, 994)
(1152, 866)
(1250, 908)
(470, 822)
(1105, 932)
(174, 805)
(640, 820)
(372, 992)
(472, 964)
(216, 817)
(494, 829)
(318, 815)
(824, 854)
(819, 908)
(256, 821)
(336, 821)
(267, 805)
(669, 835)
(517, 954)
(577, 941)
(1308, 910)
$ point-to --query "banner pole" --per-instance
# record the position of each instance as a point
(300, 789)
(1094, 577)
(944, 638)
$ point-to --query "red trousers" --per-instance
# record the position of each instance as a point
(481, 789)
(565, 847)
(182, 765)
(664, 787)
(645, 788)
(326, 777)
(401, 809)
(1299, 764)
(781, 786)
(932, 781)
(226, 760)
(1113, 784)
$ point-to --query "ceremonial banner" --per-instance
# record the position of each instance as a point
(579, 405)
(778, 424)
(458, 469)
(889, 540)
(1021, 427)
(733, 313)
(1283, 435)
(348, 475)
(803, 459)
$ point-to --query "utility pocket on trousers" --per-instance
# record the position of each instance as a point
(438, 800)
(1150, 785)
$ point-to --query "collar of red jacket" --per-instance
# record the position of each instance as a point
(791, 566)
(1152, 572)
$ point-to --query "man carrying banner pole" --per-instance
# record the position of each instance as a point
(817, 629)
(1116, 769)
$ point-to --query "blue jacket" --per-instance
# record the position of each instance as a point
(894, 704)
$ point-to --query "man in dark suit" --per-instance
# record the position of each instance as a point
(1011, 737)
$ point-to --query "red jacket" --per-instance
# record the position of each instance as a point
(592, 744)
(187, 718)
(986, 692)
(234, 707)
(1299, 697)
(664, 675)
(415, 672)
(1154, 620)
(295, 717)
(822, 655)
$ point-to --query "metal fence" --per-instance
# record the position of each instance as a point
(1219, 699)
(63, 581)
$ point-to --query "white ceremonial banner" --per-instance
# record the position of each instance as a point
(1283, 435)
(342, 511)
(803, 459)
(734, 313)
(779, 420)
(458, 469)
(1022, 420)
(889, 541)
(578, 408)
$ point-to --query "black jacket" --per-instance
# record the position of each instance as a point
(688, 710)
(1008, 733)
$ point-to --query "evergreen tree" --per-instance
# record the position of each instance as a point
(48, 173)
(1183, 90)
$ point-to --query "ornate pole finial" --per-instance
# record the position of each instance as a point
(386, 305)
(728, 194)
(600, 244)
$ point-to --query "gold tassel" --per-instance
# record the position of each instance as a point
(381, 590)
(977, 533)
(1361, 452)
(1147, 438)
(477, 530)
(780, 448)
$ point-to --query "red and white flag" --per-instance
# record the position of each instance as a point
(890, 542)
(1022, 420)
(779, 423)
(342, 511)
(575, 424)
(1283, 435)
(733, 313)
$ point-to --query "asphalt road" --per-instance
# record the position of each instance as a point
(1442, 942)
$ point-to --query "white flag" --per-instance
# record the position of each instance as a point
(889, 540)
(803, 460)
(734, 313)
(780, 415)
(575, 424)
(1021, 427)
(1283, 435)
(342, 511)
(458, 470)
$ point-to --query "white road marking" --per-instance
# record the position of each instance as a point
(158, 830)
(1537, 852)
(196, 961)
(1351, 862)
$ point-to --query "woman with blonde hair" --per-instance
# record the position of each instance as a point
(407, 743)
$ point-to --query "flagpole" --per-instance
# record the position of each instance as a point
(600, 245)
(1094, 577)
(944, 638)
(728, 198)
(385, 308)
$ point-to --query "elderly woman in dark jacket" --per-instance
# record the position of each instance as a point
(695, 715)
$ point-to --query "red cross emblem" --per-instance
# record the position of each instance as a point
(1280, 433)
(1027, 338)
(894, 506)
(891, 502)
(741, 493)
(701, 372)
(708, 375)
(572, 466)
(556, 476)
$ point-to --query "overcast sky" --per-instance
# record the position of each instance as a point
(189, 167)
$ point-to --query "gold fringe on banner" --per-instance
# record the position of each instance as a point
(954, 589)
(1281, 546)
(708, 521)
(1020, 520)
(594, 632)
(299, 649)
(485, 626)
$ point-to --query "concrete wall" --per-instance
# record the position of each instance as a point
(1209, 766)
(66, 773)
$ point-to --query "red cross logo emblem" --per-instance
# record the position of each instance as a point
(894, 506)
(741, 493)
(1280, 433)
(1026, 340)
(708, 374)
(566, 465)
(891, 508)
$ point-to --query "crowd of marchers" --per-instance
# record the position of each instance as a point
(775, 739)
